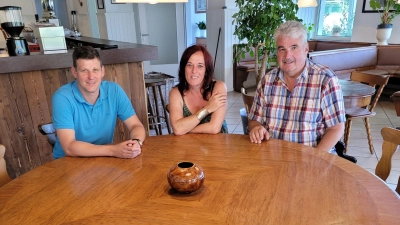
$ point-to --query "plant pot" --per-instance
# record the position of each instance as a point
(203, 33)
(185, 177)
(309, 36)
(383, 33)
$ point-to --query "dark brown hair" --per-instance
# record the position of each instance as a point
(208, 77)
(85, 52)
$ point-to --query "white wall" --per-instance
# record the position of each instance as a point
(219, 15)
(365, 24)
(191, 20)
(82, 16)
(219, 4)
(116, 22)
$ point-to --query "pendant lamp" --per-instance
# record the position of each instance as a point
(149, 1)
(308, 3)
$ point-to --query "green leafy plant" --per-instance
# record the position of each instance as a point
(386, 11)
(255, 23)
(309, 27)
(347, 19)
(201, 25)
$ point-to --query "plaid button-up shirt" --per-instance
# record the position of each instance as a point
(303, 115)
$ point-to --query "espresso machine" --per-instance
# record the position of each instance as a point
(12, 23)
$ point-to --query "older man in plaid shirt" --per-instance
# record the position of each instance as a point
(300, 101)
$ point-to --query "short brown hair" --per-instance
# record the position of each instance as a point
(85, 52)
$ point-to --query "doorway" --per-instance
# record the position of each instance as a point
(167, 31)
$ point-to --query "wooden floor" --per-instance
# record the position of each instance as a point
(358, 146)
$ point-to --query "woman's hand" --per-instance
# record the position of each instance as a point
(216, 101)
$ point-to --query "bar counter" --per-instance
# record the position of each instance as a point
(27, 84)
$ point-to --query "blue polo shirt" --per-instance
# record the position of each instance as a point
(92, 123)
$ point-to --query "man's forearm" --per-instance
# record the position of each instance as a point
(331, 137)
(84, 149)
(138, 132)
(252, 124)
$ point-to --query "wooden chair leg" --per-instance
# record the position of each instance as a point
(347, 134)
(368, 128)
(158, 118)
(345, 131)
(152, 119)
(165, 110)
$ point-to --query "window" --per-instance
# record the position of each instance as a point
(335, 18)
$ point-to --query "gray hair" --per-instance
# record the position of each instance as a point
(293, 29)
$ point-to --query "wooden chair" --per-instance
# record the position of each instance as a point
(391, 140)
(367, 110)
(48, 130)
(248, 102)
(4, 178)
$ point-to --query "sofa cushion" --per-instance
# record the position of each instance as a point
(388, 55)
(331, 45)
(345, 59)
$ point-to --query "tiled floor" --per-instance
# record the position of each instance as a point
(358, 145)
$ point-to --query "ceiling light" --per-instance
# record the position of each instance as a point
(308, 3)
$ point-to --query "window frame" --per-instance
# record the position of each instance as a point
(320, 20)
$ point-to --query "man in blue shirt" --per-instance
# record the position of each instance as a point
(85, 112)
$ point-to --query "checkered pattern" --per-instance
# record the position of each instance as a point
(303, 115)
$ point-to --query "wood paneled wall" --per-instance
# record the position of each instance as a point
(25, 102)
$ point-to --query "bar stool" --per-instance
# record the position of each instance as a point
(156, 119)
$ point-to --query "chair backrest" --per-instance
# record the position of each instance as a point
(371, 80)
(4, 178)
(247, 100)
(48, 130)
(391, 139)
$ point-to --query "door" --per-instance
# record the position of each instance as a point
(166, 30)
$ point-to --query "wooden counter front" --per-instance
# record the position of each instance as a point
(27, 84)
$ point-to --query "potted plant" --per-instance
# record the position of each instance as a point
(202, 26)
(255, 23)
(309, 27)
(336, 30)
(387, 12)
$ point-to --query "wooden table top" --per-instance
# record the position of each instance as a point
(356, 94)
(276, 182)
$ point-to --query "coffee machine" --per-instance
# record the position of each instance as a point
(12, 23)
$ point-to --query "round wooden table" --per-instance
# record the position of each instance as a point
(276, 182)
(356, 94)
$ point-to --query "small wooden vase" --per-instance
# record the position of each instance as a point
(185, 177)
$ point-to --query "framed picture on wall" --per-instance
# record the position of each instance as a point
(367, 9)
(200, 6)
(100, 4)
(113, 2)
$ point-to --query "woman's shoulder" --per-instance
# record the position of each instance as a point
(175, 93)
(220, 85)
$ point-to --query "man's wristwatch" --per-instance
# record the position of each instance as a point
(138, 141)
